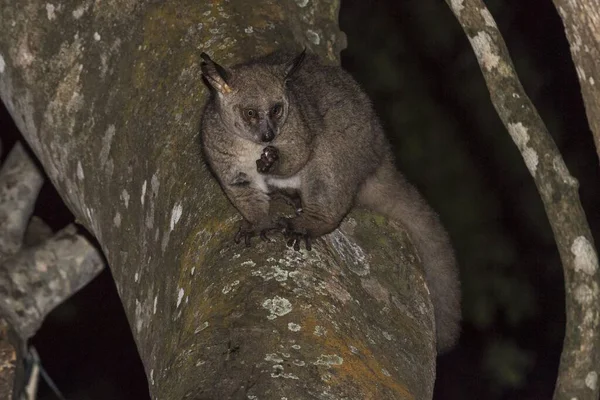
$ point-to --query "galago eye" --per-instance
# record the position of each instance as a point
(249, 114)
(277, 110)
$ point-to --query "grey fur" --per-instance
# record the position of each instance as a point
(332, 151)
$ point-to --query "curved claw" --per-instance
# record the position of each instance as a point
(238, 237)
(295, 241)
(243, 235)
(264, 237)
(246, 232)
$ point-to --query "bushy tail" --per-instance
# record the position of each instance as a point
(388, 193)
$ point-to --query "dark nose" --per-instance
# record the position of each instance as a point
(268, 135)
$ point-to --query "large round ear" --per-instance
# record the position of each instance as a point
(215, 75)
(294, 65)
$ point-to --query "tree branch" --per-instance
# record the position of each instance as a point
(8, 362)
(580, 358)
(36, 280)
(20, 183)
(110, 97)
(581, 19)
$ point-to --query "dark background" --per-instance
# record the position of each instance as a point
(416, 64)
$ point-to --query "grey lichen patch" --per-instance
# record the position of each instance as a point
(580, 72)
(329, 360)
(487, 17)
(107, 56)
(165, 240)
(585, 294)
(202, 327)
(313, 37)
(294, 327)
(117, 220)
(279, 373)
(23, 57)
(139, 323)
(273, 357)
(457, 6)
(576, 42)
(143, 195)
(180, 294)
(561, 169)
(269, 272)
(319, 331)
(143, 312)
(80, 174)
(350, 252)
(591, 380)
(125, 197)
(81, 9)
(586, 259)
(2, 64)
(302, 3)
(175, 215)
(106, 144)
(277, 307)
(531, 159)
(50, 11)
(485, 50)
(155, 186)
(519, 134)
(230, 286)
(248, 263)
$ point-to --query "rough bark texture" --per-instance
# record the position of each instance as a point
(580, 360)
(581, 19)
(36, 280)
(37, 271)
(36, 277)
(20, 183)
(8, 362)
(109, 96)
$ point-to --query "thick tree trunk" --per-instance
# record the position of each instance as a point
(108, 94)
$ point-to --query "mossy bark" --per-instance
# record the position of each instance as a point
(108, 95)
